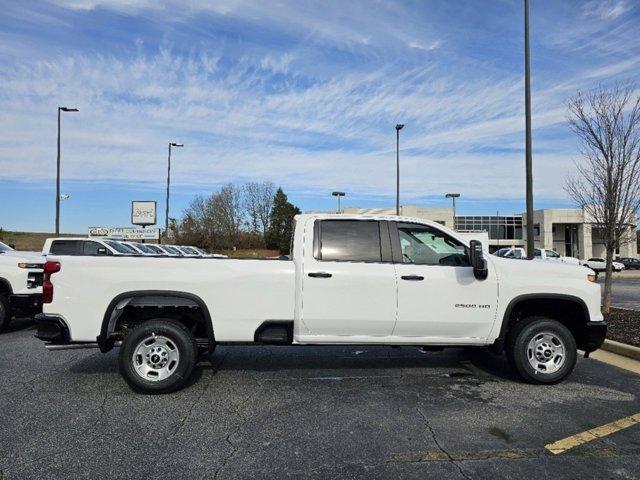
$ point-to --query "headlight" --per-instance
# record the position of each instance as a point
(592, 277)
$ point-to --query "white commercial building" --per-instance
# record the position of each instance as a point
(567, 231)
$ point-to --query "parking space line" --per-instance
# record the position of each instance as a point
(568, 443)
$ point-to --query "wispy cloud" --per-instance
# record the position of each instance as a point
(302, 93)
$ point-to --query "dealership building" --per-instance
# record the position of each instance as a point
(567, 231)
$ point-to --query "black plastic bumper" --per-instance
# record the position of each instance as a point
(593, 336)
(27, 304)
(51, 329)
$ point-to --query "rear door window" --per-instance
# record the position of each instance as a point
(64, 247)
(350, 241)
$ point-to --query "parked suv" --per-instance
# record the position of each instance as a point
(20, 283)
(85, 246)
(630, 263)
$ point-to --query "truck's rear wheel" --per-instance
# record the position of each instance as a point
(158, 356)
(541, 350)
(5, 312)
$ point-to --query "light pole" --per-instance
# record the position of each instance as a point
(399, 127)
(528, 154)
(338, 194)
(166, 217)
(453, 197)
(60, 109)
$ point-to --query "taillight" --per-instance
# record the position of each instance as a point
(47, 287)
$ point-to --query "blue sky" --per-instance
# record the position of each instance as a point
(305, 94)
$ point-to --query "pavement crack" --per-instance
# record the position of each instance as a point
(184, 419)
(440, 447)
(239, 411)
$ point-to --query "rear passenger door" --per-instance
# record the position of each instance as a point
(349, 285)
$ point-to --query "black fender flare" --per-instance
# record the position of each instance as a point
(538, 296)
(6, 286)
(105, 343)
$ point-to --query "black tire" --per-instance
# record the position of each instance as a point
(176, 338)
(5, 312)
(518, 352)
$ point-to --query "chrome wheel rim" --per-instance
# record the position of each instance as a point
(546, 353)
(156, 358)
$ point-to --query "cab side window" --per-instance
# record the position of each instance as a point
(64, 247)
(424, 245)
(349, 241)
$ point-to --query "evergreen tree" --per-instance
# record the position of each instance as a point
(281, 223)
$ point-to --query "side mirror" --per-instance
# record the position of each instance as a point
(478, 261)
(102, 251)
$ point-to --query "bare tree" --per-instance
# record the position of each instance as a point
(258, 201)
(607, 182)
(225, 209)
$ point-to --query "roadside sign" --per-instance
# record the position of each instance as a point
(143, 212)
(125, 233)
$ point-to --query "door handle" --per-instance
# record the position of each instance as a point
(415, 278)
(320, 275)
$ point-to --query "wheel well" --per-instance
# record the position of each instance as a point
(5, 287)
(127, 311)
(569, 311)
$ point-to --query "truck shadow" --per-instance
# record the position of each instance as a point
(454, 362)
(18, 324)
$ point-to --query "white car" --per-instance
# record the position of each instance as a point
(188, 251)
(598, 264)
(140, 248)
(350, 280)
(553, 256)
(511, 252)
(20, 284)
(85, 246)
(538, 254)
(209, 255)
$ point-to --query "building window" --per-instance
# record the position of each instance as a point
(508, 227)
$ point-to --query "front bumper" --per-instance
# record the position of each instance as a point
(52, 329)
(592, 336)
(25, 304)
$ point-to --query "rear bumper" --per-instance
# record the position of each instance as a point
(593, 336)
(52, 329)
(25, 304)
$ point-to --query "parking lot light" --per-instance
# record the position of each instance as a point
(166, 219)
(60, 109)
(399, 127)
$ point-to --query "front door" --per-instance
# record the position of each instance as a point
(438, 295)
(348, 284)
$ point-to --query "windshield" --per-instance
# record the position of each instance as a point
(5, 248)
(156, 249)
(118, 247)
(144, 248)
(172, 250)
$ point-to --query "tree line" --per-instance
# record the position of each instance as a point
(252, 215)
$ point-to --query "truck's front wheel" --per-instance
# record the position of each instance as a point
(158, 356)
(5, 312)
(542, 350)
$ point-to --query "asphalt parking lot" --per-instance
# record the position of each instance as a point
(308, 412)
(625, 292)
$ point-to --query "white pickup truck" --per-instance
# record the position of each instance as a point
(20, 284)
(350, 280)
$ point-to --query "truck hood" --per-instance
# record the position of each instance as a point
(509, 266)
